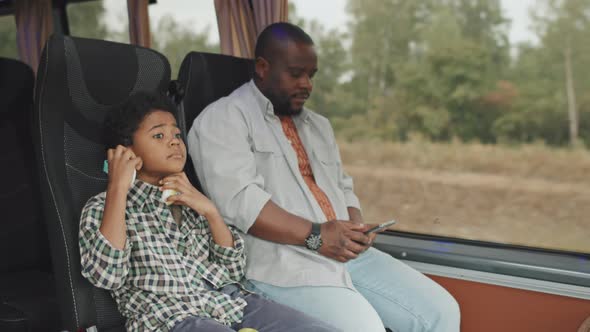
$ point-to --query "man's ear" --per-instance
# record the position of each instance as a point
(261, 66)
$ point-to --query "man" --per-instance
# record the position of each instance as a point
(273, 169)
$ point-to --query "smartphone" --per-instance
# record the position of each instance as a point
(380, 227)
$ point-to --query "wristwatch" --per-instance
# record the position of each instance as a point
(314, 239)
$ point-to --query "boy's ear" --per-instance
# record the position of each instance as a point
(140, 165)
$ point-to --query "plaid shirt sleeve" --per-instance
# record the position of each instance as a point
(232, 258)
(102, 264)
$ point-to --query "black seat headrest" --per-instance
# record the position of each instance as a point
(207, 77)
(203, 78)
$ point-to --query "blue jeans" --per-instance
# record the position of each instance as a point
(262, 315)
(388, 293)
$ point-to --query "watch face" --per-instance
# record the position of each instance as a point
(313, 242)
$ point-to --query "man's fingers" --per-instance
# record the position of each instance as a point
(342, 259)
(366, 227)
(354, 247)
(358, 237)
(349, 255)
(345, 256)
(372, 237)
(353, 226)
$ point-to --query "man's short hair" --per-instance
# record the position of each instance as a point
(266, 44)
(122, 121)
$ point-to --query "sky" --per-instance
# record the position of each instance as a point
(200, 14)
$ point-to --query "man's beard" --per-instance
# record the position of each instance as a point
(282, 105)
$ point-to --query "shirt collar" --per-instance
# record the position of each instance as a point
(267, 108)
(140, 192)
(263, 102)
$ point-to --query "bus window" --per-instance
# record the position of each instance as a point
(8, 48)
(179, 27)
(107, 20)
(462, 119)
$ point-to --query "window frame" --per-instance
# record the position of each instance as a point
(511, 260)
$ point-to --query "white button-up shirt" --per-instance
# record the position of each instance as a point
(243, 158)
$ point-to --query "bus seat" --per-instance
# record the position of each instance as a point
(204, 78)
(78, 81)
(27, 290)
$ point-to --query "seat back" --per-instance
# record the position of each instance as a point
(23, 240)
(27, 288)
(78, 81)
(204, 78)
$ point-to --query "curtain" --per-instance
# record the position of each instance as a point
(240, 21)
(34, 24)
(267, 12)
(139, 22)
(235, 22)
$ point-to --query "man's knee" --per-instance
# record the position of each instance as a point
(362, 317)
(446, 314)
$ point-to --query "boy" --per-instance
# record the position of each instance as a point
(171, 264)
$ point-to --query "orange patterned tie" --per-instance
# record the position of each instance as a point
(290, 131)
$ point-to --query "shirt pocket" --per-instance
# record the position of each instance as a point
(267, 152)
(327, 159)
(264, 144)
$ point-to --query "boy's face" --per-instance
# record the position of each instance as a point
(158, 143)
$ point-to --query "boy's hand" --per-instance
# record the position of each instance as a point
(122, 162)
(188, 195)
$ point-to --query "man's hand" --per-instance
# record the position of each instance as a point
(343, 240)
(357, 218)
(371, 236)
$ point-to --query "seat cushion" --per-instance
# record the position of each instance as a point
(28, 299)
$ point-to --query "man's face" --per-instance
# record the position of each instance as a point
(158, 143)
(288, 81)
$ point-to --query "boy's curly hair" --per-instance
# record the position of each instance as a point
(122, 121)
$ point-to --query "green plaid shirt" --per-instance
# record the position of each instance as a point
(159, 278)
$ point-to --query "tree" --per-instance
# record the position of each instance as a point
(8, 46)
(328, 96)
(86, 20)
(427, 66)
(563, 27)
(175, 41)
(552, 79)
